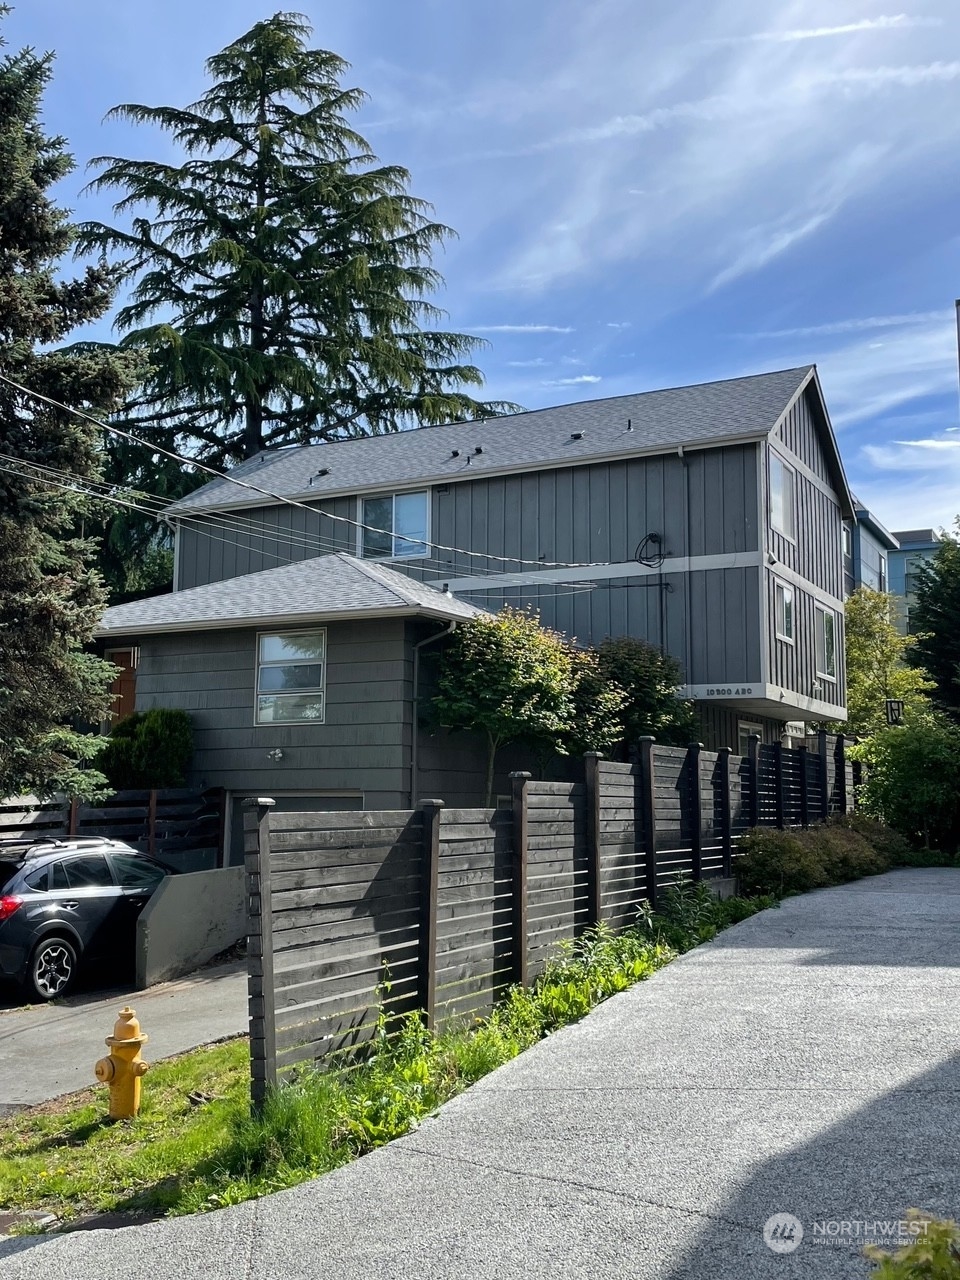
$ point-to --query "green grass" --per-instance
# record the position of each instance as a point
(177, 1158)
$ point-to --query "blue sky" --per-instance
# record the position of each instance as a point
(645, 194)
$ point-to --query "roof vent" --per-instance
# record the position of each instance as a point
(629, 424)
(324, 471)
(576, 435)
(454, 453)
(478, 449)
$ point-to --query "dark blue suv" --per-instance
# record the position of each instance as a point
(67, 900)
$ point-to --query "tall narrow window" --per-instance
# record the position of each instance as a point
(291, 675)
(783, 497)
(394, 525)
(882, 573)
(826, 644)
(784, 611)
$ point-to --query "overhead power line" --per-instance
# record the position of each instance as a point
(268, 493)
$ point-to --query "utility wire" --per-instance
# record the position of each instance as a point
(267, 493)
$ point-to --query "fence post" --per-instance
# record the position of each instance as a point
(591, 771)
(802, 756)
(152, 823)
(429, 882)
(753, 771)
(72, 817)
(778, 779)
(649, 807)
(726, 824)
(823, 752)
(842, 796)
(696, 806)
(260, 988)
(223, 853)
(518, 783)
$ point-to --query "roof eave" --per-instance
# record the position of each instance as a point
(280, 620)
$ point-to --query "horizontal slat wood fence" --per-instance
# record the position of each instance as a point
(182, 828)
(355, 917)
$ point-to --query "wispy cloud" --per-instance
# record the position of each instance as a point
(539, 363)
(857, 324)
(769, 243)
(520, 328)
(907, 77)
(893, 22)
(574, 382)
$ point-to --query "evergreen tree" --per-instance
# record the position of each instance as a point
(935, 620)
(279, 275)
(50, 596)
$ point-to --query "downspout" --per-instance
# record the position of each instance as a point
(174, 526)
(415, 745)
(688, 584)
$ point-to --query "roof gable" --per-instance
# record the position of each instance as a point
(321, 588)
(706, 414)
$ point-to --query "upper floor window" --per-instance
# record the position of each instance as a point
(783, 497)
(826, 643)
(394, 525)
(784, 611)
(882, 573)
(291, 676)
(847, 542)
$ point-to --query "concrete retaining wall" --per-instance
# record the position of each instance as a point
(189, 919)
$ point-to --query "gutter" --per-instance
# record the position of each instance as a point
(415, 744)
(133, 627)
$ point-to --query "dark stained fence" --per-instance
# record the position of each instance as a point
(357, 917)
(182, 828)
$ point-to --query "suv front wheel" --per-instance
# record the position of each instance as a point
(52, 969)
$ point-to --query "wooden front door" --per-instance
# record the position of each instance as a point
(124, 687)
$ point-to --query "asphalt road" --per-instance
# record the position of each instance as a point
(804, 1063)
(49, 1050)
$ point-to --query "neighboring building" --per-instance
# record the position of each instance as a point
(707, 520)
(914, 546)
(867, 547)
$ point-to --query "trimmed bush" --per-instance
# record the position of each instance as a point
(781, 862)
(888, 843)
(148, 749)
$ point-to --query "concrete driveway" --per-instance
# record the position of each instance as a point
(48, 1050)
(806, 1063)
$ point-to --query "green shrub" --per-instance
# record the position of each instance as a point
(890, 844)
(779, 862)
(148, 749)
(776, 862)
(933, 1255)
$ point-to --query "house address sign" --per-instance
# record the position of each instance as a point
(739, 691)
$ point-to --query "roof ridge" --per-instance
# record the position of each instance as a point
(376, 572)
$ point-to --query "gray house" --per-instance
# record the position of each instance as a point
(705, 519)
(867, 548)
(303, 681)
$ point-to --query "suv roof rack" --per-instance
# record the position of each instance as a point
(46, 844)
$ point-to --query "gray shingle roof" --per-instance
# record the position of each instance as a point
(334, 586)
(707, 413)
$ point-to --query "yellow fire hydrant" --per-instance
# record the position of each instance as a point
(124, 1067)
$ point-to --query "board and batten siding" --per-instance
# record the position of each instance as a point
(231, 544)
(363, 745)
(571, 515)
(799, 433)
(793, 665)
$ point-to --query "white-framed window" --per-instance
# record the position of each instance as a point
(826, 643)
(783, 497)
(291, 677)
(847, 542)
(783, 609)
(394, 525)
(745, 730)
(882, 572)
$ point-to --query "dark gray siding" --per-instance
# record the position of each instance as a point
(600, 513)
(799, 433)
(720, 726)
(793, 666)
(709, 620)
(233, 543)
(870, 560)
(363, 745)
(817, 552)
